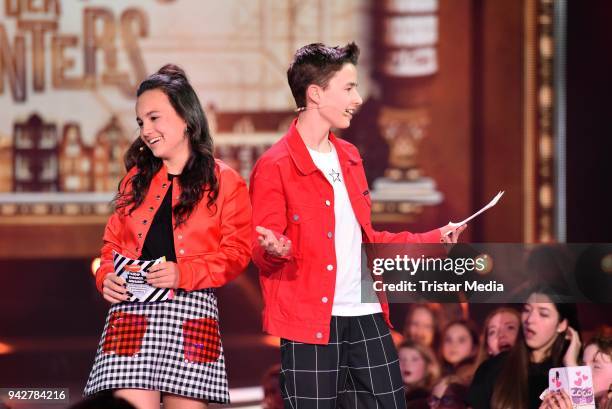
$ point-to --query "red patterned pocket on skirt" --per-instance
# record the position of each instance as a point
(201, 340)
(124, 333)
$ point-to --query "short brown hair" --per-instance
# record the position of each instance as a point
(315, 64)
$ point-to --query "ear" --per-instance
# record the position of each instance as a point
(562, 326)
(313, 94)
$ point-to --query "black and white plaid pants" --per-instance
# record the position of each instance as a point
(359, 368)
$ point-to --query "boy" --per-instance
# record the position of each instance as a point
(311, 209)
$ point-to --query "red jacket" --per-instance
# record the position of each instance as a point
(290, 195)
(211, 248)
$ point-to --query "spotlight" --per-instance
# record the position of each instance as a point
(606, 263)
(487, 260)
(95, 263)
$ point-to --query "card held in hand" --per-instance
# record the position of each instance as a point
(135, 273)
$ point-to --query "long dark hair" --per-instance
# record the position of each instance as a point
(198, 176)
(511, 390)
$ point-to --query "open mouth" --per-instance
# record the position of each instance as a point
(349, 112)
(529, 333)
(504, 347)
(153, 141)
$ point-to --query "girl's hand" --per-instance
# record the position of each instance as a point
(571, 355)
(114, 289)
(556, 400)
(164, 275)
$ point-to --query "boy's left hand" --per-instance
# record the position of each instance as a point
(454, 234)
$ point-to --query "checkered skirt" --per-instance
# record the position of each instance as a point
(170, 346)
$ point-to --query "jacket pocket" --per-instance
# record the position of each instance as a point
(300, 227)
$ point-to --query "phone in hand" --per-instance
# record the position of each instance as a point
(576, 381)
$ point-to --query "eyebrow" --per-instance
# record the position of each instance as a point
(148, 114)
(353, 84)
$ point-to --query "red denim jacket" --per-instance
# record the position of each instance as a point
(291, 196)
(212, 247)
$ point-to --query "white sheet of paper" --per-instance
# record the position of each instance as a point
(489, 205)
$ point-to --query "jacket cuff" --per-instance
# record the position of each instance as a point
(432, 236)
(185, 277)
(271, 258)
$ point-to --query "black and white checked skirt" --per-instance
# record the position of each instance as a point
(171, 346)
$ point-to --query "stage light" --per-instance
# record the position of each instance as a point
(488, 264)
(95, 263)
(6, 349)
(606, 263)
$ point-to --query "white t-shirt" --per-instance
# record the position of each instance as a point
(347, 298)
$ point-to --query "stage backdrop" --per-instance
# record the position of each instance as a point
(448, 118)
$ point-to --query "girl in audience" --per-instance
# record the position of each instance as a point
(601, 367)
(419, 367)
(500, 330)
(420, 325)
(549, 338)
(459, 349)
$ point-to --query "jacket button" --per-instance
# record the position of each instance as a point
(157, 197)
(151, 208)
(327, 203)
(181, 251)
(330, 267)
(164, 185)
(145, 221)
(296, 217)
(180, 237)
(319, 335)
(140, 235)
(137, 248)
(324, 300)
(329, 235)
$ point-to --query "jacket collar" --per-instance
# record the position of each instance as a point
(301, 157)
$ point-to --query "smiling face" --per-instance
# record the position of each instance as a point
(338, 101)
(502, 331)
(457, 344)
(412, 366)
(161, 128)
(541, 322)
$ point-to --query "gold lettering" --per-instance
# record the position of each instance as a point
(38, 29)
(95, 41)
(129, 36)
(14, 63)
(61, 63)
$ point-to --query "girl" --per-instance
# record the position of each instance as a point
(548, 339)
(178, 202)
(459, 349)
(420, 325)
(500, 330)
(419, 366)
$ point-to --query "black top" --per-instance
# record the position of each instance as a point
(160, 238)
(486, 375)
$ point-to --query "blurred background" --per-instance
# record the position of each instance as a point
(462, 99)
